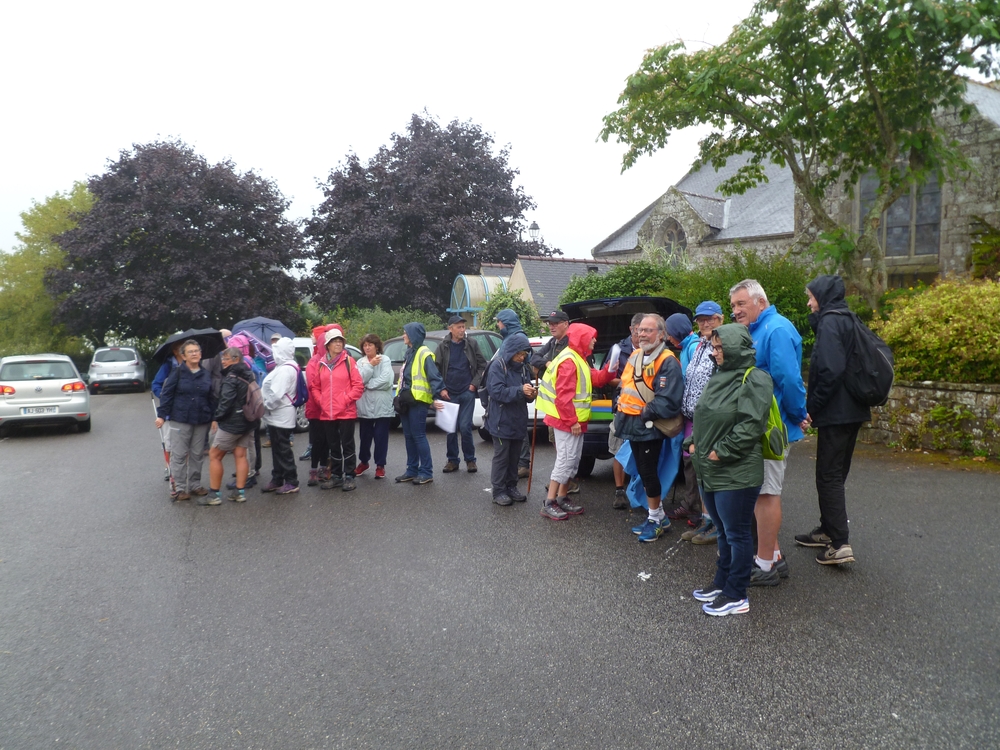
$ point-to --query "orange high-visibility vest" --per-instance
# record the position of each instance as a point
(630, 402)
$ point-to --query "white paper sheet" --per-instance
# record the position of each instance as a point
(447, 418)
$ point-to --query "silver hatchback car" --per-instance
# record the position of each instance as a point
(40, 389)
(116, 367)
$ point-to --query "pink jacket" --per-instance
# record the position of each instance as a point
(334, 388)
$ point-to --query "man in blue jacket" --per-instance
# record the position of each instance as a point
(779, 354)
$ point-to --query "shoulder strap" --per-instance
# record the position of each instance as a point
(751, 367)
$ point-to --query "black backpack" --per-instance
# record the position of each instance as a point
(869, 374)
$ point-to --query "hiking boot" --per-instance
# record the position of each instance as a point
(183, 496)
(237, 497)
(570, 509)
(470, 466)
(200, 491)
(815, 538)
(360, 469)
(709, 536)
(349, 484)
(272, 486)
(405, 478)
(782, 567)
(553, 512)
(680, 513)
(651, 530)
(332, 483)
(707, 594)
(306, 454)
(423, 480)
(621, 499)
(723, 605)
(503, 500)
(836, 556)
(450, 467)
(761, 577)
(515, 495)
(380, 472)
(208, 499)
(690, 534)
(313, 478)
(523, 472)
(572, 487)
(287, 489)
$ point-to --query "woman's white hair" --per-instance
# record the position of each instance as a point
(753, 288)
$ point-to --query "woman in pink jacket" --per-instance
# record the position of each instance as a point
(335, 386)
(319, 451)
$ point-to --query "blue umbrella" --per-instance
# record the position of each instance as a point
(264, 328)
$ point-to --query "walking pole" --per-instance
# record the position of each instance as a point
(534, 431)
(166, 457)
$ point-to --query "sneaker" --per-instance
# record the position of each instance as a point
(706, 594)
(515, 495)
(570, 509)
(680, 513)
(237, 497)
(199, 491)
(423, 480)
(207, 499)
(306, 454)
(349, 484)
(380, 472)
(470, 466)
(523, 472)
(690, 534)
(332, 483)
(723, 606)
(360, 469)
(651, 531)
(572, 487)
(761, 577)
(815, 538)
(450, 467)
(553, 512)
(503, 500)
(313, 478)
(710, 536)
(836, 556)
(251, 482)
(287, 489)
(621, 499)
(265, 443)
(782, 567)
(271, 486)
(405, 478)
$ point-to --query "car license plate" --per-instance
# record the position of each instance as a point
(39, 410)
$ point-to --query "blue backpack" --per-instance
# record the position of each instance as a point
(301, 389)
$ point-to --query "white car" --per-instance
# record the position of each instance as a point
(43, 389)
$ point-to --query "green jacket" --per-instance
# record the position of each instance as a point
(731, 417)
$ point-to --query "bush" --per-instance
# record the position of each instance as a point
(525, 310)
(950, 332)
(636, 279)
(358, 322)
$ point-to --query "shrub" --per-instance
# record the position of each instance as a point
(636, 279)
(358, 322)
(949, 332)
(525, 310)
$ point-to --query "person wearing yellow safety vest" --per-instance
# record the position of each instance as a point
(564, 396)
(419, 385)
(660, 374)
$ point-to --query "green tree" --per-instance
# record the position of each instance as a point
(525, 310)
(832, 89)
(26, 308)
(640, 278)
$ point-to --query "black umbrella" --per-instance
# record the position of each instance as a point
(209, 339)
(264, 328)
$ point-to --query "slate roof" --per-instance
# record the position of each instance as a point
(548, 277)
(986, 99)
(626, 238)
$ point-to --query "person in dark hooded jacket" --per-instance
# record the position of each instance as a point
(834, 413)
(419, 384)
(509, 385)
(233, 432)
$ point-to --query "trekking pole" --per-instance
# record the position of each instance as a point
(166, 456)
(534, 431)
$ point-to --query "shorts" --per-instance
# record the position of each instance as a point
(774, 475)
(614, 443)
(226, 441)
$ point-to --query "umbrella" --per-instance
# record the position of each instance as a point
(264, 328)
(211, 342)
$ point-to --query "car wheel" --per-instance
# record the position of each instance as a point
(586, 466)
(301, 423)
(83, 426)
(485, 435)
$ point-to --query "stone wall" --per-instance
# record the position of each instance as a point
(939, 416)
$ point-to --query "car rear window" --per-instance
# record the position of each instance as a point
(115, 355)
(395, 351)
(41, 370)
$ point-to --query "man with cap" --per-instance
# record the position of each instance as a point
(461, 364)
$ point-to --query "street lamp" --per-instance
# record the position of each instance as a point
(534, 231)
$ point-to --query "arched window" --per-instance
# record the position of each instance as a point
(671, 236)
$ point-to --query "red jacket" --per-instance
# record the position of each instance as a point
(334, 389)
(580, 335)
(319, 332)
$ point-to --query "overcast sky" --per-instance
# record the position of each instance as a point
(288, 89)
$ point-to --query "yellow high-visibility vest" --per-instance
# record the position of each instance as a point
(419, 386)
(546, 402)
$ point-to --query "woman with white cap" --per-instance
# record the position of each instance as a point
(336, 390)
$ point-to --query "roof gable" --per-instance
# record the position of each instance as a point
(548, 278)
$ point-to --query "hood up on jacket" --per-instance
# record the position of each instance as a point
(283, 351)
(514, 343)
(828, 290)
(319, 333)
(511, 323)
(737, 347)
(416, 333)
(580, 335)
(241, 342)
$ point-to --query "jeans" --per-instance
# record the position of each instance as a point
(732, 510)
(834, 450)
(503, 473)
(466, 401)
(376, 430)
(283, 460)
(418, 450)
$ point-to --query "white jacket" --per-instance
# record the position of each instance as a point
(278, 388)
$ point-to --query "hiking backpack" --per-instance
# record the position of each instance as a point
(774, 441)
(301, 389)
(253, 407)
(869, 374)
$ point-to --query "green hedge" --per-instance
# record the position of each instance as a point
(359, 322)
(526, 311)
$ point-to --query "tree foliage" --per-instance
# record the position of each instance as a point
(26, 308)
(639, 278)
(174, 242)
(357, 322)
(395, 231)
(525, 309)
(831, 88)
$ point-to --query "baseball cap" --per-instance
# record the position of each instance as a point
(455, 319)
(557, 316)
(708, 308)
